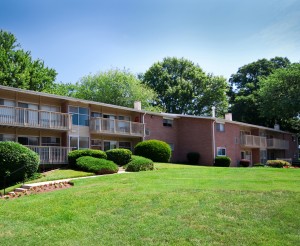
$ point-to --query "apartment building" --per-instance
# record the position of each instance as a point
(53, 125)
(211, 137)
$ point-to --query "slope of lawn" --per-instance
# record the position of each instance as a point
(174, 205)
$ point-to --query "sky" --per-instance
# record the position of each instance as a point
(82, 37)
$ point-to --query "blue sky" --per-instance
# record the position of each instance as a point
(81, 37)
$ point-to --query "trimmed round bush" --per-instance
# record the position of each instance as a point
(244, 163)
(75, 154)
(278, 163)
(17, 162)
(119, 156)
(222, 161)
(96, 165)
(139, 163)
(193, 157)
(156, 150)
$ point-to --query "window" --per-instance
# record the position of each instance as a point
(79, 142)
(96, 115)
(7, 137)
(80, 116)
(220, 127)
(29, 141)
(125, 145)
(110, 145)
(168, 122)
(221, 151)
(171, 146)
(96, 144)
(50, 141)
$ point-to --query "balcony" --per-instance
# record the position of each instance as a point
(275, 143)
(116, 127)
(251, 141)
(25, 117)
(52, 154)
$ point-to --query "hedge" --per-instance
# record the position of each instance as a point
(155, 150)
(139, 163)
(17, 162)
(96, 165)
(222, 161)
(244, 163)
(193, 157)
(119, 156)
(75, 154)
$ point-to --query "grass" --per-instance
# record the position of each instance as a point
(174, 205)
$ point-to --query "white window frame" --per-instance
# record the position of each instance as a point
(221, 148)
(168, 122)
(220, 127)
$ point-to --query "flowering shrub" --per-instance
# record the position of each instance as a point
(278, 163)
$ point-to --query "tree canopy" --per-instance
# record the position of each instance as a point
(184, 88)
(279, 96)
(118, 87)
(18, 69)
(245, 86)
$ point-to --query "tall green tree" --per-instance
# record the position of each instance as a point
(118, 87)
(244, 87)
(17, 69)
(279, 97)
(184, 88)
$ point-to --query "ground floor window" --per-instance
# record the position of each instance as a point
(50, 141)
(221, 151)
(29, 140)
(110, 145)
(7, 137)
(263, 156)
(79, 142)
(125, 145)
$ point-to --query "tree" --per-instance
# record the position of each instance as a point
(245, 86)
(17, 69)
(115, 87)
(183, 87)
(279, 96)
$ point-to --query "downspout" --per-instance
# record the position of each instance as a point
(143, 121)
(213, 108)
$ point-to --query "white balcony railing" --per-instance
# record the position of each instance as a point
(15, 116)
(253, 141)
(275, 143)
(52, 154)
(111, 126)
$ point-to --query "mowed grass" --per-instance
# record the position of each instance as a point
(174, 205)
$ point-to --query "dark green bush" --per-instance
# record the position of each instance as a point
(119, 156)
(278, 163)
(14, 156)
(193, 157)
(258, 164)
(222, 161)
(139, 163)
(75, 154)
(96, 165)
(244, 163)
(156, 150)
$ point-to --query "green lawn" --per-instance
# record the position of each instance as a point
(174, 205)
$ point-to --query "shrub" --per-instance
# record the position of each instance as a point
(258, 165)
(278, 163)
(193, 157)
(18, 161)
(75, 154)
(139, 163)
(244, 163)
(155, 150)
(119, 156)
(222, 161)
(96, 165)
